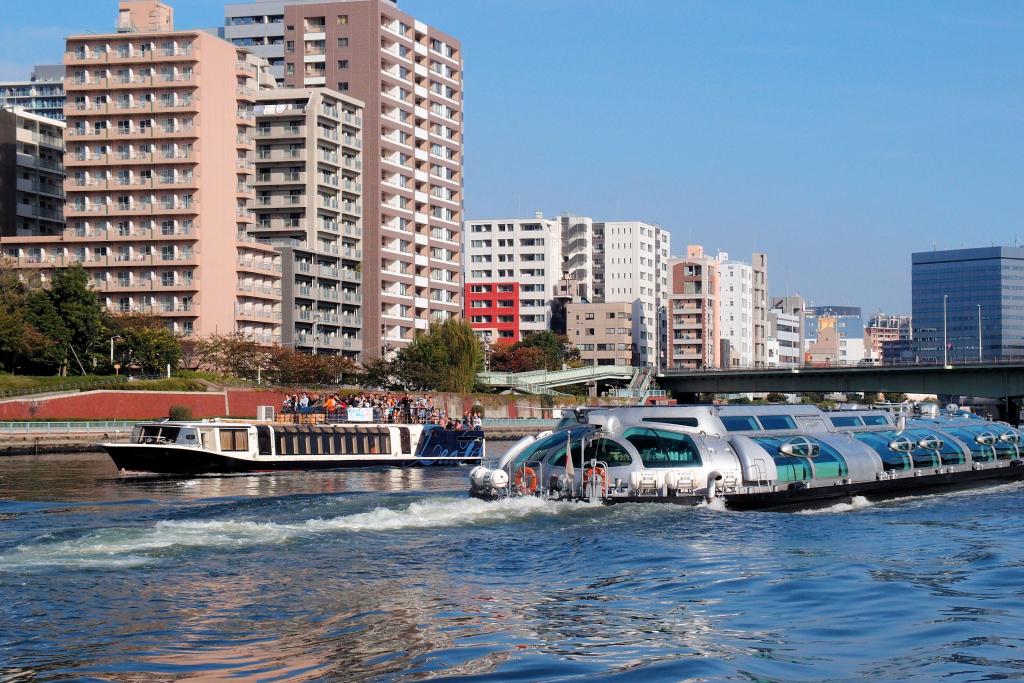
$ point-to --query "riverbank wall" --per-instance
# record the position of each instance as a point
(242, 403)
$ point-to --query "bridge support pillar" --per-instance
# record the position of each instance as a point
(1009, 410)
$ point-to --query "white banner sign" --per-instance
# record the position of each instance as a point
(360, 414)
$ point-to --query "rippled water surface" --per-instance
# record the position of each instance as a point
(396, 575)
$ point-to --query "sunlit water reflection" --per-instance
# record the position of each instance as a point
(396, 574)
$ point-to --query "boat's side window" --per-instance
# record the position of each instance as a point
(876, 420)
(606, 450)
(740, 423)
(234, 439)
(661, 448)
(846, 421)
(772, 422)
(262, 439)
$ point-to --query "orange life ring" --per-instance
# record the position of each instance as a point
(526, 480)
(598, 471)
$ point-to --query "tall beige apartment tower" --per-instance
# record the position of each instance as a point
(409, 75)
(159, 177)
(308, 205)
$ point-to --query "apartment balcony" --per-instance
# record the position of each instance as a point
(258, 291)
(281, 155)
(256, 314)
(291, 224)
(270, 177)
(280, 201)
(257, 265)
(278, 132)
(350, 275)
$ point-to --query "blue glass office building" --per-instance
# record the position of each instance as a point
(985, 283)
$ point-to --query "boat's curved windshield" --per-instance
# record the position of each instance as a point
(984, 452)
(828, 463)
(662, 448)
(550, 445)
(948, 453)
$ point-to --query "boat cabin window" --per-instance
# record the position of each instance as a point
(684, 421)
(876, 420)
(740, 423)
(157, 434)
(847, 421)
(606, 450)
(234, 439)
(661, 448)
(772, 422)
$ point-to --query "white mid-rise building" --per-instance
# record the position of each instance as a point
(784, 330)
(515, 267)
(512, 267)
(736, 310)
(630, 264)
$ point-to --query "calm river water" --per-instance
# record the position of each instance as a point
(396, 575)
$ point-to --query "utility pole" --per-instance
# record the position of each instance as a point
(945, 342)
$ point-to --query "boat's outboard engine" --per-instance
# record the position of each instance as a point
(486, 480)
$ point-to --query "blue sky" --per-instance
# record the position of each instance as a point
(836, 137)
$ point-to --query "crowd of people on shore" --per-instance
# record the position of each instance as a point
(387, 408)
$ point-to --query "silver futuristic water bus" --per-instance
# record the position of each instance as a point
(752, 457)
(219, 446)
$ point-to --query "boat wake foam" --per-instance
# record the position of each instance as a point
(126, 547)
(856, 503)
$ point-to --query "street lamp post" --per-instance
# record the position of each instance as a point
(945, 342)
(979, 333)
(316, 319)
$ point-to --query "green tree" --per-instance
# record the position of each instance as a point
(80, 309)
(551, 345)
(894, 397)
(775, 397)
(19, 339)
(445, 358)
(150, 349)
(45, 318)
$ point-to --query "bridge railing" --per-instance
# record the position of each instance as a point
(571, 375)
(10, 429)
(845, 365)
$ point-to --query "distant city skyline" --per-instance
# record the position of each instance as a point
(838, 139)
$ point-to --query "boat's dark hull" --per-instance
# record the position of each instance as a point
(185, 461)
(825, 496)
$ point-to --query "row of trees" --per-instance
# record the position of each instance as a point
(61, 328)
(537, 351)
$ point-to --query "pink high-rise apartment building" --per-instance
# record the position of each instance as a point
(693, 311)
(409, 76)
(159, 178)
